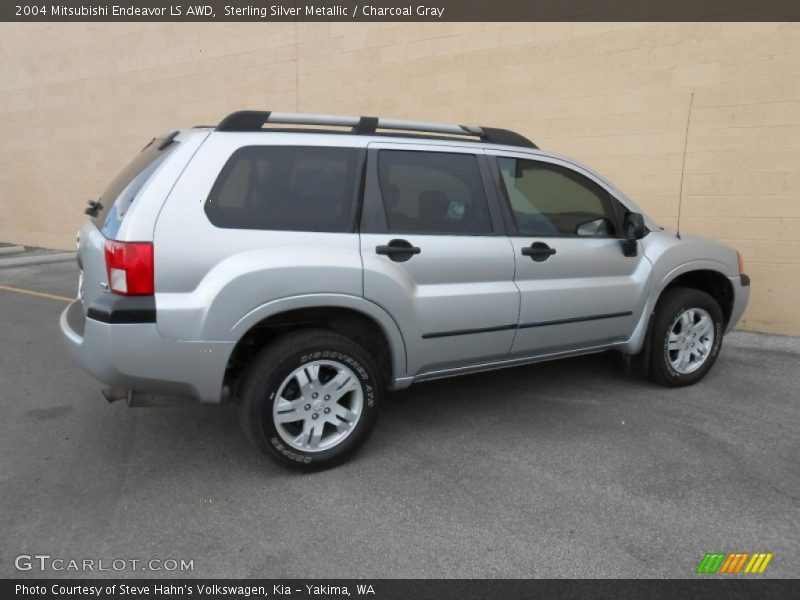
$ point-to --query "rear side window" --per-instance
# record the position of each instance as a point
(432, 192)
(551, 200)
(285, 188)
(122, 191)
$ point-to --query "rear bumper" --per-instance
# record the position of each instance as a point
(741, 295)
(134, 356)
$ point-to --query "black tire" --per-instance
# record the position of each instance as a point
(673, 303)
(274, 364)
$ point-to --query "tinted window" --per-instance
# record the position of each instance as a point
(432, 192)
(550, 200)
(121, 192)
(285, 187)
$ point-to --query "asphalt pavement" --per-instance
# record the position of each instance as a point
(562, 469)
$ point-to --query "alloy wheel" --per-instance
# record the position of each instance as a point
(318, 405)
(690, 340)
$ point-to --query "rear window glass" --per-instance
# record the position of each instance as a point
(122, 191)
(285, 188)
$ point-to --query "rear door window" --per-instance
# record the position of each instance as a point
(433, 192)
(118, 197)
(286, 188)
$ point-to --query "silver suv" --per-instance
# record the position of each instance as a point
(301, 271)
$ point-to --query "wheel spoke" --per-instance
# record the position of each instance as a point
(703, 326)
(286, 405)
(289, 411)
(289, 416)
(301, 377)
(340, 385)
(341, 378)
(301, 441)
(307, 376)
(342, 426)
(344, 413)
(684, 359)
(316, 434)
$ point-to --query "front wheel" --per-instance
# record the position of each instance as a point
(686, 337)
(310, 399)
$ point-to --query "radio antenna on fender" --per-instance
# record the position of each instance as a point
(683, 164)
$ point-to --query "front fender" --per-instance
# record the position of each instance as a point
(671, 257)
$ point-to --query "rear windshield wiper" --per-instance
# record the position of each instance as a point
(95, 206)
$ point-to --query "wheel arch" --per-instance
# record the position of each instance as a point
(712, 281)
(705, 275)
(360, 320)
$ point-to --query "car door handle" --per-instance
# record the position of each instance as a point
(398, 250)
(538, 251)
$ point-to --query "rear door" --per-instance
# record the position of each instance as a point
(435, 255)
(578, 289)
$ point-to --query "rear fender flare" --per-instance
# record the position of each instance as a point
(387, 324)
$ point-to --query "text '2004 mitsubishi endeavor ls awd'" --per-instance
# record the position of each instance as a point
(302, 271)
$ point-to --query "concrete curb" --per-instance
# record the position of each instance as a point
(37, 259)
(11, 250)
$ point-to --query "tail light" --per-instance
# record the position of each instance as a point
(130, 267)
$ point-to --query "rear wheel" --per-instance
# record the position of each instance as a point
(686, 337)
(310, 399)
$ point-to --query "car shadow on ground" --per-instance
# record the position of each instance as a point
(457, 406)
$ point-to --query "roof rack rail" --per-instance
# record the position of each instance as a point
(253, 120)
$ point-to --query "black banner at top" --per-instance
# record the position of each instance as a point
(397, 10)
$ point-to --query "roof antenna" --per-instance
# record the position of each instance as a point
(683, 164)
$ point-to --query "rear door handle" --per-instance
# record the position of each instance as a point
(538, 251)
(398, 250)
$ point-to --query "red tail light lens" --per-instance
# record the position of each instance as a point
(130, 267)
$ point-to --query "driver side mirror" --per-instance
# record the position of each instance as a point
(633, 230)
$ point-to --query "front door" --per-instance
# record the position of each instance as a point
(435, 257)
(578, 289)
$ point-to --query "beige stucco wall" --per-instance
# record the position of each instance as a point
(78, 100)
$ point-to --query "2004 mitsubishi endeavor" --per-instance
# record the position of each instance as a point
(301, 271)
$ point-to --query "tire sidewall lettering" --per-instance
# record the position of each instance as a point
(290, 454)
